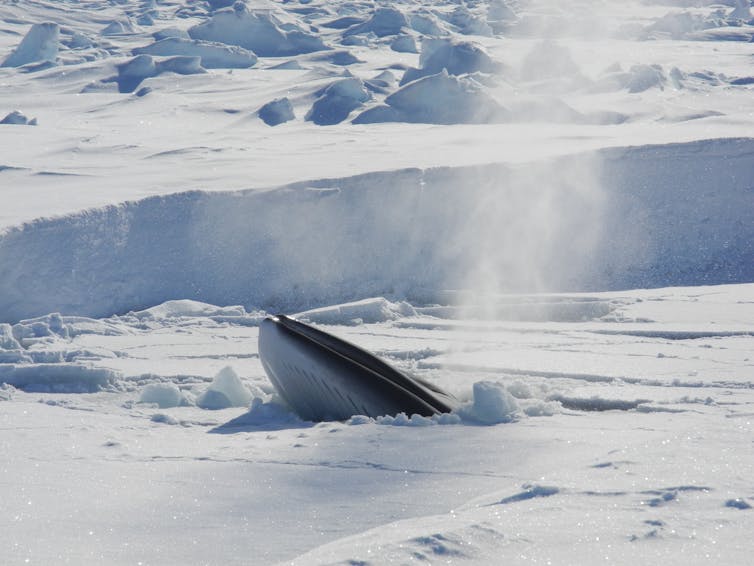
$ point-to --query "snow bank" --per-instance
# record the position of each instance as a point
(40, 44)
(337, 101)
(399, 234)
(257, 31)
(57, 377)
(359, 312)
(213, 55)
(437, 99)
(226, 390)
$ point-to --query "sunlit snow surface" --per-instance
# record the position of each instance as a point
(420, 178)
(629, 439)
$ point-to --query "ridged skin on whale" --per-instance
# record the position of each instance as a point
(323, 377)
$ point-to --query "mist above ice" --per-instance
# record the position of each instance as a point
(490, 73)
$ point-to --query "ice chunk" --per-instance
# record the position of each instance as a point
(492, 404)
(44, 328)
(337, 101)
(164, 419)
(469, 24)
(18, 119)
(426, 24)
(182, 65)
(257, 31)
(343, 22)
(39, 44)
(404, 44)
(677, 25)
(219, 4)
(145, 19)
(277, 112)
(15, 357)
(164, 395)
(498, 10)
(226, 390)
(367, 311)
(213, 55)
(540, 408)
(170, 32)
(186, 308)
(401, 419)
(384, 21)
(644, 77)
(134, 71)
(342, 58)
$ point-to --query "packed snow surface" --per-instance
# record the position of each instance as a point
(620, 431)
(543, 207)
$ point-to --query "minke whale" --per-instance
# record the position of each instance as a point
(324, 378)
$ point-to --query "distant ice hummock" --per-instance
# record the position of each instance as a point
(38, 45)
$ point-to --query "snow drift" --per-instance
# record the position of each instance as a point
(257, 31)
(213, 55)
(653, 216)
(40, 44)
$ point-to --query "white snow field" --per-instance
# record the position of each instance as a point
(545, 208)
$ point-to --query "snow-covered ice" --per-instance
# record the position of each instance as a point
(544, 208)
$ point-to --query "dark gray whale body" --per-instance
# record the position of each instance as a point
(326, 378)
